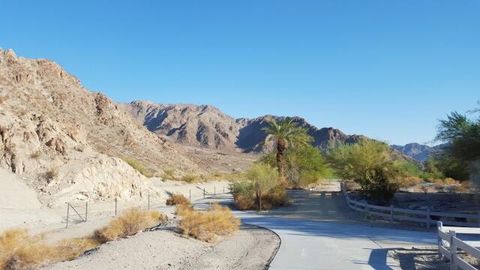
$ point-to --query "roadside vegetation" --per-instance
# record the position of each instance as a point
(23, 251)
(371, 165)
(129, 223)
(262, 191)
(293, 163)
(207, 225)
(178, 199)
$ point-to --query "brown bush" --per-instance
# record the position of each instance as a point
(410, 181)
(207, 225)
(276, 197)
(244, 202)
(244, 197)
(176, 199)
(129, 223)
(189, 178)
(20, 250)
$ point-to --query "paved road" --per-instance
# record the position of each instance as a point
(320, 232)
(330, 245)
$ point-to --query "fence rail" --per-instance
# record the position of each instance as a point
(426, 217)
(449, 246)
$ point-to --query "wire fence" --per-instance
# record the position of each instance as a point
(82, 211)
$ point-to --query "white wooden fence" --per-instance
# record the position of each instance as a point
(449, 246)
(426, 217)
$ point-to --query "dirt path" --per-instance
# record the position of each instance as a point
(249, 248)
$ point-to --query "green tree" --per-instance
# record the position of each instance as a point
(370, 164)
(264, 178)
(463, 136)
(304, 165)
(285, 134)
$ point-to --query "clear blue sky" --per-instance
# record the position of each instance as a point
(386, 69)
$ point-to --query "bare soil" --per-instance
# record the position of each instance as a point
(249, 248)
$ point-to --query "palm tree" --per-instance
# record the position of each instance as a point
(285, 133)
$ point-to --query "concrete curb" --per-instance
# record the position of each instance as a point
(267, 265)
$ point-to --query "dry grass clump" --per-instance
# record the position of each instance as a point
(129, 223)
(207, 225)
(410, 181)
(177, 199)
(137, 165)
(189, 178)
(20, 250)
(169, 174)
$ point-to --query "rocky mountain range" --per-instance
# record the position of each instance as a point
(208, 127)
(419, 152)
(68, 143)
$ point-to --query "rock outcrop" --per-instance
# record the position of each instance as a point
(64, 139)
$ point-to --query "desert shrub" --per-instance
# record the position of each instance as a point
(261, 191)
(50, 174)
(137, 165)
(169, 174)
(371, 165)
(129, 223)
(70, 249)
(304, 165)
(189, 178)
(244, 195)
(410, 181)
(207, 225)
(20, 250)
(176, 199)
(277, 196)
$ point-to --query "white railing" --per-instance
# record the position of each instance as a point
(449, 246)
(426, 217)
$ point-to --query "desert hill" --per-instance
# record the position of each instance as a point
(68, 142)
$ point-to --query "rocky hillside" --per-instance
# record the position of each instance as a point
(192, 125)
(70, 143)
(418, 152)
(207, 126)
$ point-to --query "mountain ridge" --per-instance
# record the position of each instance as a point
(207, 126)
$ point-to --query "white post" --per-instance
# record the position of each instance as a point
(453, 251)
(439, 239)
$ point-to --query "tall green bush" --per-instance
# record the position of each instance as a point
(370, 164)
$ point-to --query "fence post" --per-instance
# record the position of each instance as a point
(86, 211)
(428, 218)
(116, 203)
(391, 213)
(68, 213)
(439, 239)
(214, 191)
(453, 251)
(204, 193)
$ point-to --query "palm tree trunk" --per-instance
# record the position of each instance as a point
(281, 147)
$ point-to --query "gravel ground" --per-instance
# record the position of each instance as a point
(424, 258)
(249, 248)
